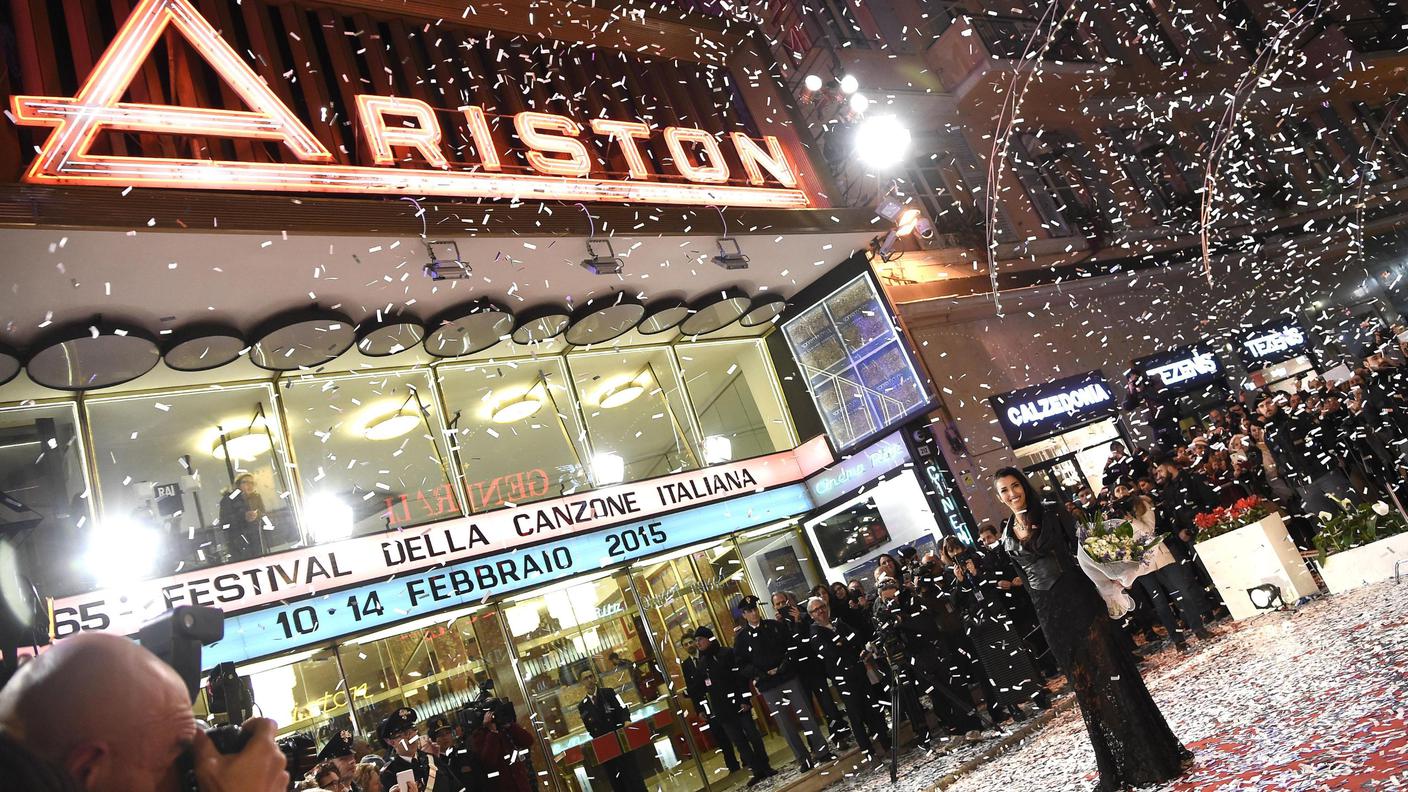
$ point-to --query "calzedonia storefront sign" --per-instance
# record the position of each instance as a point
(1041, 411)
(1183, 369)
(1271, 343)
(484, 541)
(559, 161)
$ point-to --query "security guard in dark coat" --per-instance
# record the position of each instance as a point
(399, 733)
(338, 750)
(602, 713)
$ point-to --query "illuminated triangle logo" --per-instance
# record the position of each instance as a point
(97, 106)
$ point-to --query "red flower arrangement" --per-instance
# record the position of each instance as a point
(1229, 518)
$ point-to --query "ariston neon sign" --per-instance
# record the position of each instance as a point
(554, 148)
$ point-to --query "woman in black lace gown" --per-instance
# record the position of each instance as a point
(1133, 744)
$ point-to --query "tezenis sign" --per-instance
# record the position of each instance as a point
(559, 163)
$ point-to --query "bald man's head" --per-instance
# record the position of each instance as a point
(104, 708)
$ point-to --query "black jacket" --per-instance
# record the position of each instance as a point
(726, 690)
(602, 712)
(839, 649)
(1047, 555)
(1184, 498)
(770, 646)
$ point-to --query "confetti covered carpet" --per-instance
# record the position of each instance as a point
(1315, 699)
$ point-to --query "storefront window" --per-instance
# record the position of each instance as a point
(636, 415)
(517, 432)
(591, 633)
(369, 453)
(735, 398)
(187, 480)
(779, 559)
(859, 374)
(41, 472)
(303, 693)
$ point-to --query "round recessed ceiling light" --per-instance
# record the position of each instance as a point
(393, 425)
(467, 329)
(242, 445)
(763, 310)
(301, 340)
(517, 410)
(203, 347)
(92, 356)
(715, 314)
(620, 394)
(388, 336)
(604, 319)
(541, 324)
(662, 316)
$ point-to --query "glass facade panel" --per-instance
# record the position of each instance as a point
(188, 480)
(569, 640)
(303, 693)
(857, 370)
(42, 475)
(516, 431)
(371, 444)
(636, 414)
(736, 403)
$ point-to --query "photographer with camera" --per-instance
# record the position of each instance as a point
(116, 718)
(498, 745)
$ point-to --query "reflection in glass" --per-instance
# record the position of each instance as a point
(860, 377)
(303, 693)
(188, 480)
(735, 399)
(368, 444)
(518, 437)
(568, 637)
(42, 473)
(634, 409)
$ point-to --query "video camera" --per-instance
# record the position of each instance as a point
(471, 715)
(177, 637)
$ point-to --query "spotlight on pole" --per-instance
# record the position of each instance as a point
(859, 103)
(849, 84)
(812, 83)
(881, 142)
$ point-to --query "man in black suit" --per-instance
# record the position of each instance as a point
(602, 713)
(729, 700)
(842, 656)
(696, 687)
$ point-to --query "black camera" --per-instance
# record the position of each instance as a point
(471, 715)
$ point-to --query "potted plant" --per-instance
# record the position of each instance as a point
(1360, 545)
(1245, 545)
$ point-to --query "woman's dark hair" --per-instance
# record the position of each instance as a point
(951, 548)
(899, 569)
(1034, 509)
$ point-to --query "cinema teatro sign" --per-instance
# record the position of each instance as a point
(554, 149)
(307, 571)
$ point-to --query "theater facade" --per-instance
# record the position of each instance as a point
(435, 347)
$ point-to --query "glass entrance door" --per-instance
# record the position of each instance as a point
(1060, 477)
(591, 633)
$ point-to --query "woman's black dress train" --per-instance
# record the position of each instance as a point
(1134, 745)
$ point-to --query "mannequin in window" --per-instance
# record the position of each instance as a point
(241, 515)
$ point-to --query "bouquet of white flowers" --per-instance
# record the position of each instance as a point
(1113, 558)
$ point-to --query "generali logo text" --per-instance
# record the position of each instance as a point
(555, 151)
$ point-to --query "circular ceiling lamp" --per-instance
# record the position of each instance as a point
(10, 364)
(242, 445)
(524, 406)
(620, 394)
(715, 314)
(90, 356)
(604, 319)
(301, 339)
(541, 324)
(763, 310)
(203, 347)
(387, 336)
(393, 424)
(467, 329)
(663, 315)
